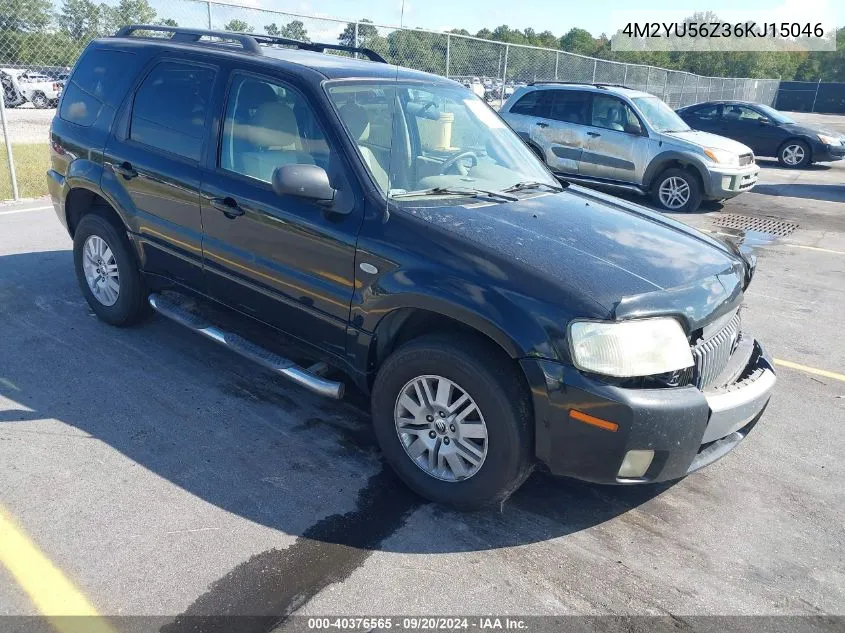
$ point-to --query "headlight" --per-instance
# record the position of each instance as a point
(721, 156)
(828, 140)
(640, 347)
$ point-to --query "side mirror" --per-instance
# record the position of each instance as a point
(633, 128)
(764, 120)
(303, 181)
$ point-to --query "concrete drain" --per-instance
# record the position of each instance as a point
(760, 224)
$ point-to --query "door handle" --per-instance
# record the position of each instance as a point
(125, 169)
(593, 134)
(541, 124)
(228, 205)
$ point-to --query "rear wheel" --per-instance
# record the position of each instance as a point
(40, 100)
(794, 154)
(453, 419)
(107, 273)
(676, 190)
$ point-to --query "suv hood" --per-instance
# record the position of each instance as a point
(705, 139)
(630, 260)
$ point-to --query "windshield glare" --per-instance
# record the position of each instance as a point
(660, 116)
(774, 115)
(413, 137)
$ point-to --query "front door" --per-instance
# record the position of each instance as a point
(616, 145)
(285, 260)
(753, 128)
(154, 166)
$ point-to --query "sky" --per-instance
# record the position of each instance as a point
(557, 16)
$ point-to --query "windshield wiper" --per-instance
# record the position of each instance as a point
(454, 191)
(532, 184)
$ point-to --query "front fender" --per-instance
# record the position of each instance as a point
(664, 159)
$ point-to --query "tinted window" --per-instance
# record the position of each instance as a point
(535, 103)
(268, 125)
(614, 114)
(707, 113)
(101, 76)
(570, 106)
(78, 106)
(170, 108)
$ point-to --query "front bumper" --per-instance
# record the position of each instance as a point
(686, 428)
(828, 153)
(727, 182)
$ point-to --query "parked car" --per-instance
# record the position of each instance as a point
(20, 86)
(497, 318)
(766, 131)
(618, 137)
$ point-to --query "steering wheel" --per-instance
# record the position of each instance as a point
(451, 162)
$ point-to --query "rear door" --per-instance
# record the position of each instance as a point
(617, 147)
(287, 261)
(152, 163)
(564, 133)
(707, 118)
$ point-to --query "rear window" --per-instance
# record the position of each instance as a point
(571, 106)
(170, 108)
(535, 103)
(102, 76)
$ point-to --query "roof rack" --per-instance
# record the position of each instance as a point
(249, 41)
(579, 83)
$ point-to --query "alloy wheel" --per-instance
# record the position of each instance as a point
(100, 268)
(674, 192)
(793, 154)
(441, 428)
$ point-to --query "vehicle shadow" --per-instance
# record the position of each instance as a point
(829, 193)
(235, 436)
(772, 163)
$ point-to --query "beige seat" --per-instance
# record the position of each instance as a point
(274, 137)
(358, 122)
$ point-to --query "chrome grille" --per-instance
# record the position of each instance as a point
(712, 355)
(746, 159)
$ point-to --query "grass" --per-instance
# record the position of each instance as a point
(31, 163)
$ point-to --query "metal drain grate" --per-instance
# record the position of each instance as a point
(772, 226)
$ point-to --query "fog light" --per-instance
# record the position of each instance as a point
(635, 464)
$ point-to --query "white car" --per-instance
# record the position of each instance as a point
(39, 89)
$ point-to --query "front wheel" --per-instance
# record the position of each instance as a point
(676, 190)
(794, 154)
(453, 420)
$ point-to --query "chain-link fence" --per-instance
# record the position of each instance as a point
(41, 39)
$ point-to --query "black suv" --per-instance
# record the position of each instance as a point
(391, 228)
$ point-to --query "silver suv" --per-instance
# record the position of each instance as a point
(618, 137)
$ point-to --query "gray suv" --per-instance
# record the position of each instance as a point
(618, 137)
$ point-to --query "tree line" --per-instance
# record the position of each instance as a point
(32, 33)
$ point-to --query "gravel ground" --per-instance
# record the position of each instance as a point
(28, 125)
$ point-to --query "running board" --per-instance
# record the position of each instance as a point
(308, 378)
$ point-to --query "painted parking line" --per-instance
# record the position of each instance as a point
(810, 370)
(29, 210)
(49, 589)
(817, 249)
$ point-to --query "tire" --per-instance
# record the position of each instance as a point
(503, 406)
(130, 303)
(684, 183)
(794, 154)
(40, 100)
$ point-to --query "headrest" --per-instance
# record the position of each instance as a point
(357, 120)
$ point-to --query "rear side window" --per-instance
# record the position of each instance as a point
(102, 76)
(707, 113)
(571, 106)
(170, 108)
(535, 103)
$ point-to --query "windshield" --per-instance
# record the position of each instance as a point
(774, 115)
(661, 117)
(444, 140)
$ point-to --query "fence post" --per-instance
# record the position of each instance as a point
(595, 65)
(356, 34)
(9, 155)
(812, 108)
(697, 81)
(681, 96)
(448, 53)
(505, 69)
(557, 63)
(625, 78)
(666, 87)
(208, 8)
(648, 78)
